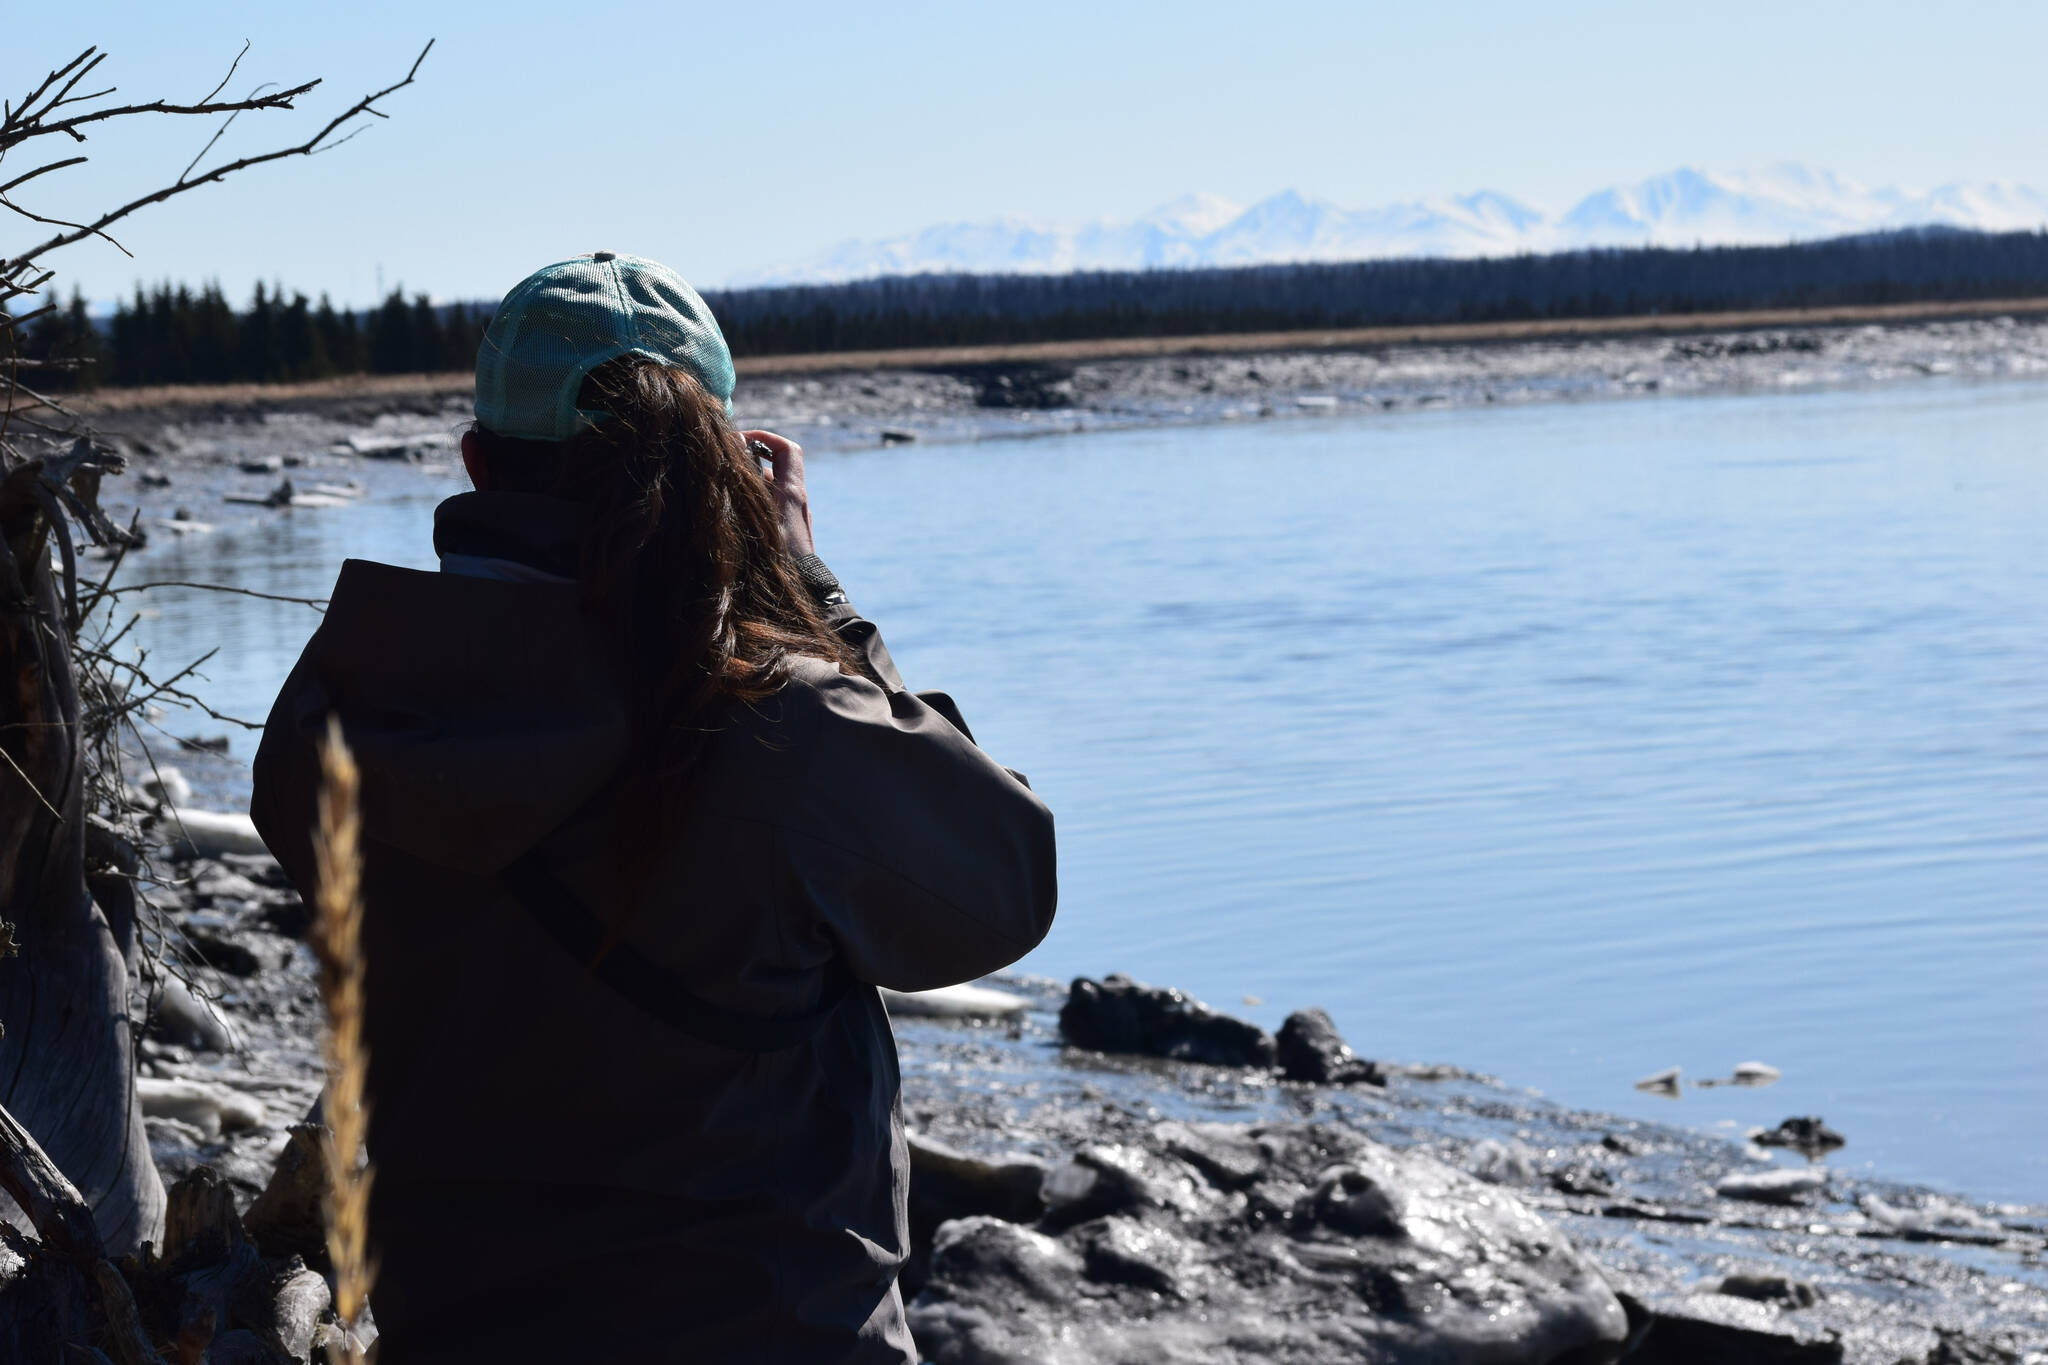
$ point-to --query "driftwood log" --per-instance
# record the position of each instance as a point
(67, 1070)
(209, 1295)
(63, 1292)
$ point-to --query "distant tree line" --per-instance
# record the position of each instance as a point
(1913, 265)
(171, 335)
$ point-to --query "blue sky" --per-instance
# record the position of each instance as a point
(724, 139)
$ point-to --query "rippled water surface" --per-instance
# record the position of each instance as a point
(1566, 743)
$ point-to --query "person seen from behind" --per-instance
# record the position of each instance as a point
(648, 815)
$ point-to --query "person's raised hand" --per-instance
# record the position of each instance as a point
(786, 474)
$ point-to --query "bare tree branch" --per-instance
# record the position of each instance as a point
(17, 112)
(25, 111)
(306, 148)
(19, 318)
(281, 100)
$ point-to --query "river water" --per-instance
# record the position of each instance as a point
(1567, 743)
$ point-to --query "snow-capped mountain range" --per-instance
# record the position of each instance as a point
(1686, 207)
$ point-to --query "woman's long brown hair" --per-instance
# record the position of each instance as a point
(683, 558)
(683, 553)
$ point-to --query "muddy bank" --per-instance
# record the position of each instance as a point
(1076, 1205)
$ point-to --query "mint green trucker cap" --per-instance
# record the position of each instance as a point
(564, 320)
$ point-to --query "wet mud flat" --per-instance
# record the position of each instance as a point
(1072, 1205)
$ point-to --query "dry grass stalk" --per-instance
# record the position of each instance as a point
(337, 939)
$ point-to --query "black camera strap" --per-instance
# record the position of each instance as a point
(561, 913)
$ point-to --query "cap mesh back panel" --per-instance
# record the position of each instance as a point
(565, 320)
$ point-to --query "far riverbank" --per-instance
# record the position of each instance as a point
(849, 400)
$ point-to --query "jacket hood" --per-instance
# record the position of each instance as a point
(539, 532)
(482, 714)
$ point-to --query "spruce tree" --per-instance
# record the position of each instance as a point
(126, 342)
(391, 336)
(216, 337)
(83, 345)
(304, 350)
(426, 336)
(257, 353)
(339, 340)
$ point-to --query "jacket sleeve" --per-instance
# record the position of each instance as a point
(283, 800)
(923, 859)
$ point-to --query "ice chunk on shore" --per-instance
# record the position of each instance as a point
(955, 1002)
(212, 833)
(212, 1109)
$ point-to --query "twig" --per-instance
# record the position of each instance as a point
(33, 217)
(319, 603)
(41, 170)
(226, 124)
(100, 593)
(231, 73)
(31, 783)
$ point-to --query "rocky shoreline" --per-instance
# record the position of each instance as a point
(1205, 1192)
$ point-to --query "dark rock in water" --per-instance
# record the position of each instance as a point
(266, 464)
(1311, 1049)
(1220, 1151)
(223, 954)
(1807, 1136)
(1376, 1255)
(1018, 385)
(290, 916)
(1109, 1178)
(945, 1184)
(213, 883)
(1771, 1289)
(259, 868)
(892, 436)
(994, 1274)
(1668, 1083)
(1715, 1329)
(1359, 1201)
(1141, 1254)
(957, 1185)
(996, 1253)
(1959, 1348)
(1118, 1014)
(1585, 1180)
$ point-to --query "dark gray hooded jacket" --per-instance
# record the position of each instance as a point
(559, 1175)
